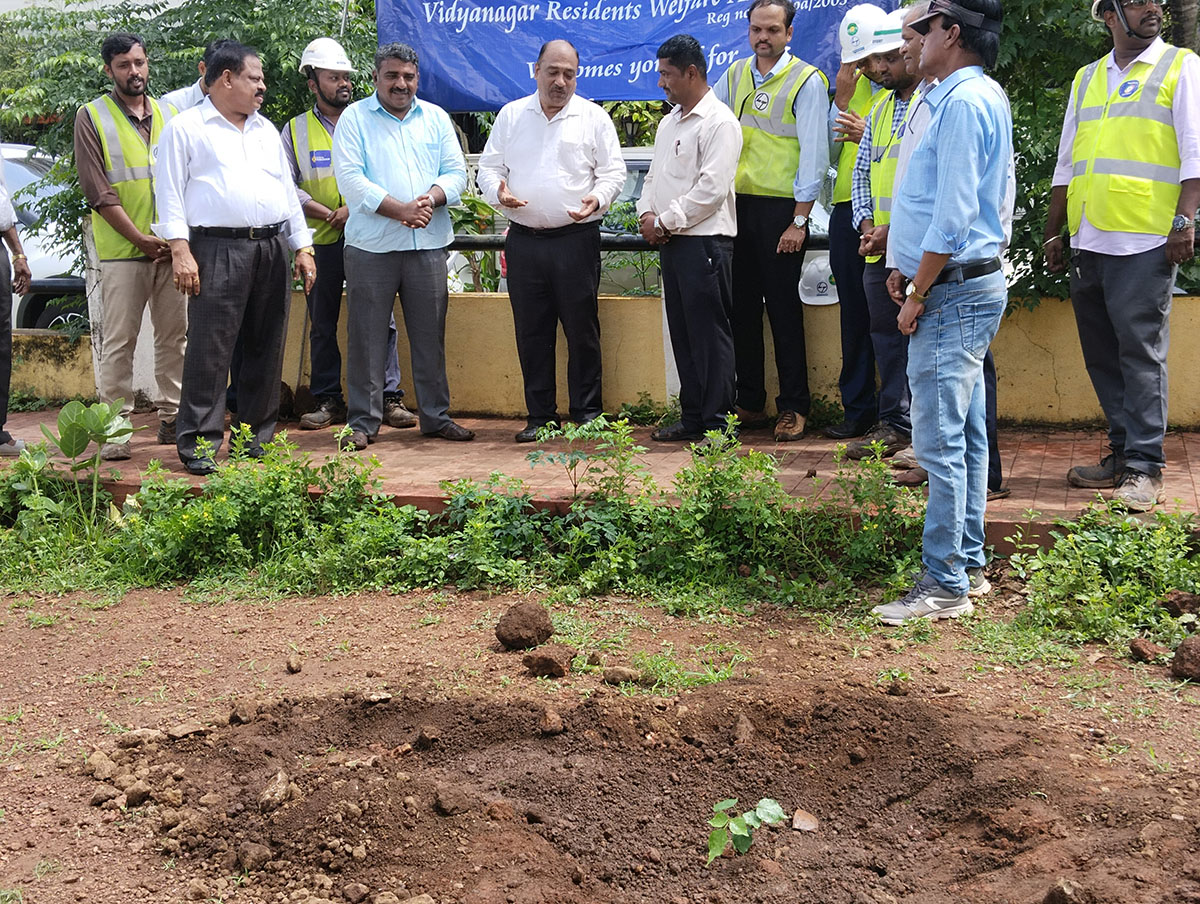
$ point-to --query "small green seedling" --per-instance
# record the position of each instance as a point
(739, 828)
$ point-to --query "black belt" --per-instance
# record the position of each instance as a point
(960, 273)
(555, 231)
(241, 232)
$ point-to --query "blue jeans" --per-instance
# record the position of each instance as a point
(945, 374)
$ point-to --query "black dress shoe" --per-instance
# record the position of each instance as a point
(676, 433)
(453, 432)
(848, 429)
(201, 467)
(529, 434)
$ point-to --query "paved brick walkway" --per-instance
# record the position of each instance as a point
(412, 466)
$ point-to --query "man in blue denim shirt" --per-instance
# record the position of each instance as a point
(946, 235)
(399, 166)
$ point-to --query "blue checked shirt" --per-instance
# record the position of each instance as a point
(861, 201)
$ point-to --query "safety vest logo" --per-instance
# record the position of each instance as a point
(1128, 88)
(319, 159)
(761, 99)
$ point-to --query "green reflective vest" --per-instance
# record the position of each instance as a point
(770, 152)
(314, 155)
(885, 154)
(129, 163)
(866, 96)
(1125, 158)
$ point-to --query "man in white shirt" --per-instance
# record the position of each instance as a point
(228, 208)
(553, 163)
(687, 210)
(1127, 186)
(193, 95)
(17, 281)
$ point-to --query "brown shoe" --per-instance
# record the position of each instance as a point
(355, 442)
(789, 427)
(328, 413)
(752, 420)
(913, 477)
(454, 433)
(396, 415)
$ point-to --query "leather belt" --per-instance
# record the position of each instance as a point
(241, 232)
(960, 273)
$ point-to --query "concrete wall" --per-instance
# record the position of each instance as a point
(1042, 378)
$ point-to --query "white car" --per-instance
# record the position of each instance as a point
(55, 278)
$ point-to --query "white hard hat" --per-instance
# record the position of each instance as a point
(857, 29)
(886, 36)
(325, 53)
(817, 286)
(1096, 10)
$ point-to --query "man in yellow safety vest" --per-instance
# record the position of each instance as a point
(308, 144)
(1127, 186)
(116, 152)
(782, 104)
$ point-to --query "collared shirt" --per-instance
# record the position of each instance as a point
(552, 163)
(1187, 135)
(289, 151)
(89, 156)
(8, 216)
(862, 203)
(375, 155)
(184, 98)
(952, 195)
(211, 173)
(690, 182)
(811, 109)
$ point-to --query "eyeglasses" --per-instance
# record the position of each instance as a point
(1139, 4)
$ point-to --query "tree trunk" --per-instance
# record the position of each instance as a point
(1183, 24)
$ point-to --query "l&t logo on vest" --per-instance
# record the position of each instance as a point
(761, 99)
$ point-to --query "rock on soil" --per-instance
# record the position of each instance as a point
(196, 891)
(100, 766)
(551, 723)
(1067, 892)
(743, 731)
(619, 674)
(525, 625)
(1180, 602)
(253, 856)
(451, 800)
(185, 729)
(1186, 663)
(551, 661)
(803, 821)
(243, 713)
(103, 794)
(275, 793)
(354, 892)
(137, 794)
(294, 663)
(1143, 650)
(140, 736)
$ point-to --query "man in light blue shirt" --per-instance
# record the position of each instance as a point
(946, 236)
(399, 165)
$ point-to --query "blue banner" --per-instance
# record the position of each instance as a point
(479, 54)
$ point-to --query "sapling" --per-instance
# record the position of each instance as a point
(739, 829)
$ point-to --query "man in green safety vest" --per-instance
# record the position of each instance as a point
(855, 93)
(782, 104)
(308, 144)
(1127, 186)
(116, 152)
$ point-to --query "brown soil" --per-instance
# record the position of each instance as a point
(417, 757)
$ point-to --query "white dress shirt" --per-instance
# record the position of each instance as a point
(1187, 136)
(690, 183)
(211, 173)
(552, 163)
(8, 216)
(184, 98)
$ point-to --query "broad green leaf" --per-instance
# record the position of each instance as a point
(752, 819)
(719, 821)
(741, 843)
(769, 811)
(737, 826)
(726, 804)
(716, 844)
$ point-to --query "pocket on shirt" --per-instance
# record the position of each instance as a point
(571, 152)
(682, 157)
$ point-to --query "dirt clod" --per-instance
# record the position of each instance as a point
(100, 766)
(275, 793)
(186, 729)
(385, 897)
(102, 794)
(252, 856)
(196, 890)
(857, 755)
(451, 800)
(427, 737)
(743, 729)
(354, 892)
(137, 794)
(619, 674)
(551, 723)
(1143, 650)
(500, 810)
(140, 736)
(897, 688)
(294, 664)
(524, 625)
(550, 661)
(243, 712)
(1186, 662)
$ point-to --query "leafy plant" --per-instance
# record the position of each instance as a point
(474, 216)
(642, 265)
(739, 829)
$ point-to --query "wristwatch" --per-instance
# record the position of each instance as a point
(306, 250)
(800, 221)
(1181, 223)
(911, 293)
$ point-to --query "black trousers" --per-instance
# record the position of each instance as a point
(890, 349)
(857, 379)
(698, 297)
(6, 303)
(245, 286)
(553, 278)
(763, 276)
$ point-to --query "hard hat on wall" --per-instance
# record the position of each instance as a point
(857, 30)
(325, 53)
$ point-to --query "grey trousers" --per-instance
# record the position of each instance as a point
(1122, 308)
(244, 286)
(372, 281)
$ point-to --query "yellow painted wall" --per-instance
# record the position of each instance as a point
(49, 365)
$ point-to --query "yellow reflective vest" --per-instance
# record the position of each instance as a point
(866, 96)
(129, 163)
(1125, 158)
(770, 152)
(314, 156)
(885, 155)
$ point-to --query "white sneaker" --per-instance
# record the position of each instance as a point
(12, 448)
(927, 599)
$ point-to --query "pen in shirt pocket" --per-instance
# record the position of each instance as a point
(678, 141)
